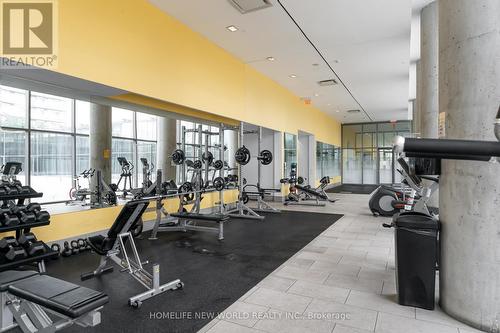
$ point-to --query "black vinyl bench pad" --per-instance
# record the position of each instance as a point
(312, 192)
(203, 217)
(58, 295)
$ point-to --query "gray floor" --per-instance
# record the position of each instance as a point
(342, 282)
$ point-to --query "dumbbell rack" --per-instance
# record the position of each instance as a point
(25, 228)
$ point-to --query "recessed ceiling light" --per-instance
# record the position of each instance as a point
(293, 76)
(315, 65)
(232, 28)
(270, 58)
(329, 104)
(316, 94)
(337, 111)
(336, 61)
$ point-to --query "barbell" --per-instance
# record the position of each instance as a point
(243, 156)
(178, 156)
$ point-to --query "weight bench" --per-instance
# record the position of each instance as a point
(187, 221)
(113, 247)
(27, 296)
(310, 194)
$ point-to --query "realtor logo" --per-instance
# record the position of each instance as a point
(28, 33)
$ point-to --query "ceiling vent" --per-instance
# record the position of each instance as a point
(353, 111)
(247, 6)
(326, 83)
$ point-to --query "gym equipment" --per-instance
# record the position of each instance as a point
(242, 155)
(207, 157)
(387, 201)
(126, 175)
(28, 297)
(187, 221)
(78, 193)
(147, 170)
(32, 246)
(11, 249)
(9, 184)
(178, 156)
(113, 247)
(21, 212)
(56, 248)
(7, 219)
(305, 195)
(67, 251)
(35, 208)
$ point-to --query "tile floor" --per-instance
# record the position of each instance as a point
(341, 282)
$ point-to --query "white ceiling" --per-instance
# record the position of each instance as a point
(366, 42)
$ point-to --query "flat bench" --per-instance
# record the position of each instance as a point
(186, 222)
(27, 294)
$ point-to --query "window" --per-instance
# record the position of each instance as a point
(51, 167)
(58, 139)
(146, 126)
(50, 113)
(134, 137)
(290, 152)
(13, 149)
(123, 123)
(82, 117)
(327, 160)
(367, 151)
(13, 107)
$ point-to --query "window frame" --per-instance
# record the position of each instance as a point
(28, 130)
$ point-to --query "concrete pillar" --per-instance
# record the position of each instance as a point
(469, 93)
(429, 103)
(100, 141)
(428, 72)
(231, 142)
(166, 144)
(417, 128)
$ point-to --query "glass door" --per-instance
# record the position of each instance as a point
(385, 166)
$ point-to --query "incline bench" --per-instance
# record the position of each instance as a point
(187, 221)
(27, 296)
(113, 247)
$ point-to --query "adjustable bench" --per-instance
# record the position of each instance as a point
(27, 296)
(308, 194)
(187, 221)
(113, 247)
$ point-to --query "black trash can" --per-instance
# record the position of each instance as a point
(416, 244)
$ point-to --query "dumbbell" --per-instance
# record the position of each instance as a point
(66, 252)
(24, 216)
(7, 219)
(11, 249)
(41, 215)
(75, 247)
(56, 248)
(31, 244)
(20, 188)
(9, 189)
(83, 245)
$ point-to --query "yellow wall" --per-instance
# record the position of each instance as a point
(133, 46)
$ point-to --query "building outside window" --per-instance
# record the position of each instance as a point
(49, 134)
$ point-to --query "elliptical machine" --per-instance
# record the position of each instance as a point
(387, 201)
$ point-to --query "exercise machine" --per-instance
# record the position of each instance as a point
(387, 201)
(255, 191)
(242, 157)
(125, 175)
(113, 247)
(28, 298)
(305, 195)
(191, 192)
(80, 194)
